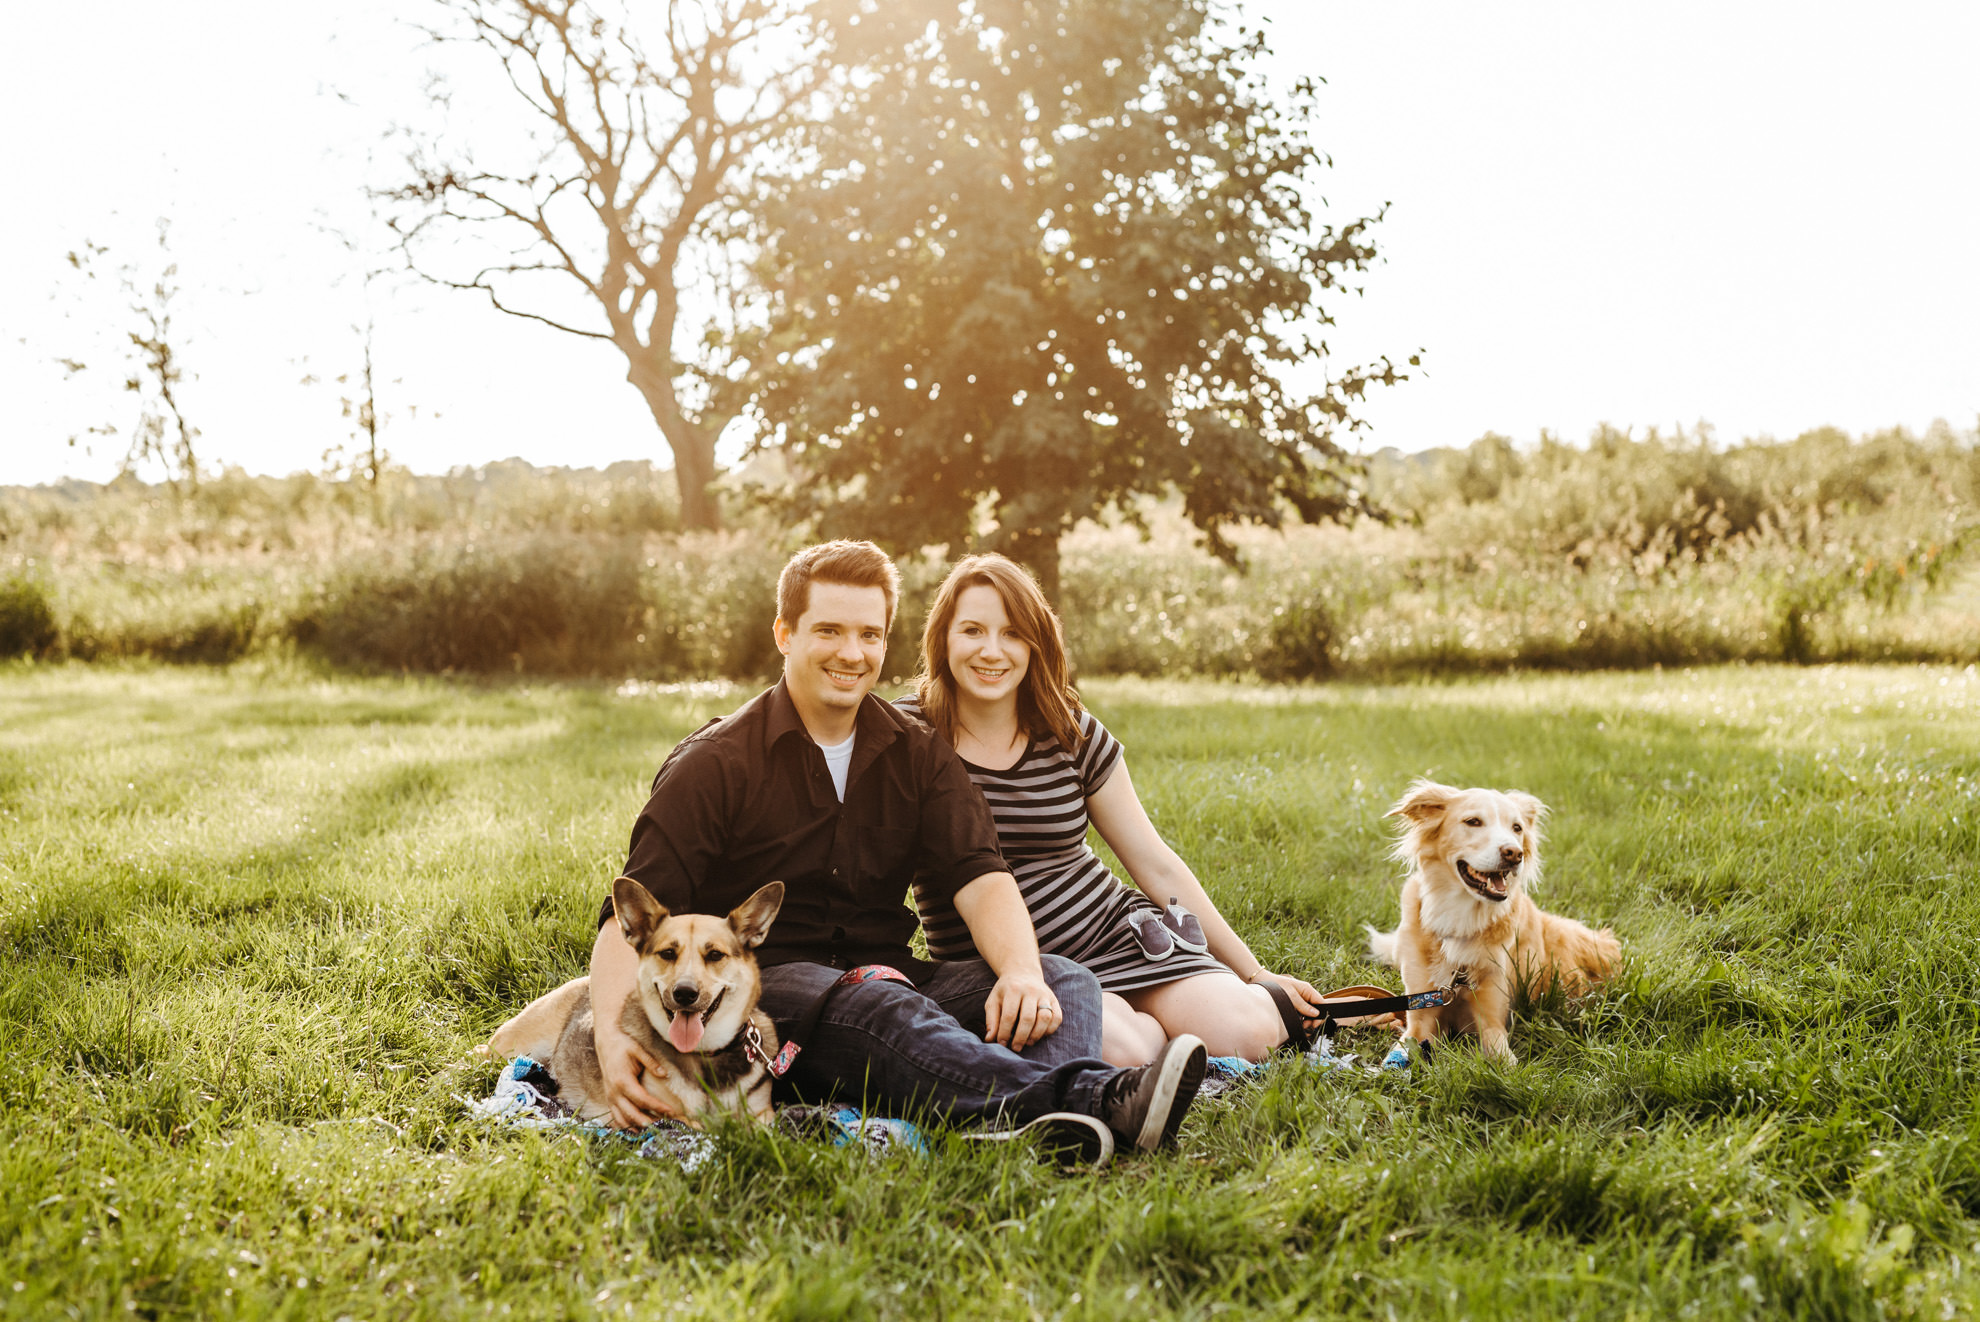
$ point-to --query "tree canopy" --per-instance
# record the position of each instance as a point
(1040, 257)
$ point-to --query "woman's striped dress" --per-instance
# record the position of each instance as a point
(1079, 908)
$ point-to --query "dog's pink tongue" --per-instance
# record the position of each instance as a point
(685, 1031)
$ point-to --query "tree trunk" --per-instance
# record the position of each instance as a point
(693, 447)
(1037, 549)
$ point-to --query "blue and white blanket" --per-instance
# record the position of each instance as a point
(525, 1097)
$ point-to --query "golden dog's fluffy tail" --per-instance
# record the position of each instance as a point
(1577, 954)
(1382, 945)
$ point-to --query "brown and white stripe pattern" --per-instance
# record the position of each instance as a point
(1077, 905)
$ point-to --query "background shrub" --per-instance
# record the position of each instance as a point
(1628, 551)
(1299, 642)
(27, 618)
(710, 601)
(541, 603)
(213, 636)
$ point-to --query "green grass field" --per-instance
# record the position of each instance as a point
(252, 920)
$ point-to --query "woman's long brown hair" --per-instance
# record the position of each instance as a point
(1046, 702)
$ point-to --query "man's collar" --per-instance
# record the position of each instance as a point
(876, 723)
(781, 716)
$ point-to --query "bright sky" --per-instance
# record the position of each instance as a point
(1756, 215)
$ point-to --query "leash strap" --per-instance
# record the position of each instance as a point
(1434, 998)
(787, 1054)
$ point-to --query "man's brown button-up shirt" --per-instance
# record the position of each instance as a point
(748, 800)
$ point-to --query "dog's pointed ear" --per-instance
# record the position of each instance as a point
(1425, 799)
(1532, 812)
(638, 912)
(751, 919)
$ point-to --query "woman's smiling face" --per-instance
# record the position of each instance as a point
(986, 656)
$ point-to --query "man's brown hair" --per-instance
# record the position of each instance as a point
(847, 563)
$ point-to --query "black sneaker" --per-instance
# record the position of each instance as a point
(1184, 927)
(1145, 1105)
(1067, 1138)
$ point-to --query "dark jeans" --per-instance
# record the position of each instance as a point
(900, 1050)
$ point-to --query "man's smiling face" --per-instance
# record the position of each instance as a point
(832, 655)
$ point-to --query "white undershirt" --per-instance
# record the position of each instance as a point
(838, 761)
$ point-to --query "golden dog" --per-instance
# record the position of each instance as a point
(1473, 855)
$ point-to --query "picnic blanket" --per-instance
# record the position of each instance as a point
(1227, 1072)
(525, 1097)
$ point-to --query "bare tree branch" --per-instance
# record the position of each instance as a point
(658, 143)
(500, 306)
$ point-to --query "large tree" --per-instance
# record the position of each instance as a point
(1044, 255)
(623, 199)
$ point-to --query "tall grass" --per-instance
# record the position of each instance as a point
(1621, 553)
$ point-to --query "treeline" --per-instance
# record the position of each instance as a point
(1658, 550)
(1615, 553)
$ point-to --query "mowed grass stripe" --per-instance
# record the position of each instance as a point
(251, 920)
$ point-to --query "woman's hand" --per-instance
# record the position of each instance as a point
(620, 1061)
(1308, 1001)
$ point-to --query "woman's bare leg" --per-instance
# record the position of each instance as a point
(1232, 1017)
(1127, 1036)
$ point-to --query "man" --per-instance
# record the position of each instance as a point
(845, 799)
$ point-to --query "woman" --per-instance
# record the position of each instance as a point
(993, 682)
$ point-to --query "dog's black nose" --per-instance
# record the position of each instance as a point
(686, 994)
(1511, 854)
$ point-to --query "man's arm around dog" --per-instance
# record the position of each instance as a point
(614, 971)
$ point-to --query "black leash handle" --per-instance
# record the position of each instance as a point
(1434, 999)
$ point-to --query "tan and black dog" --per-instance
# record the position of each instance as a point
(1472, 856)
(695, 999)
